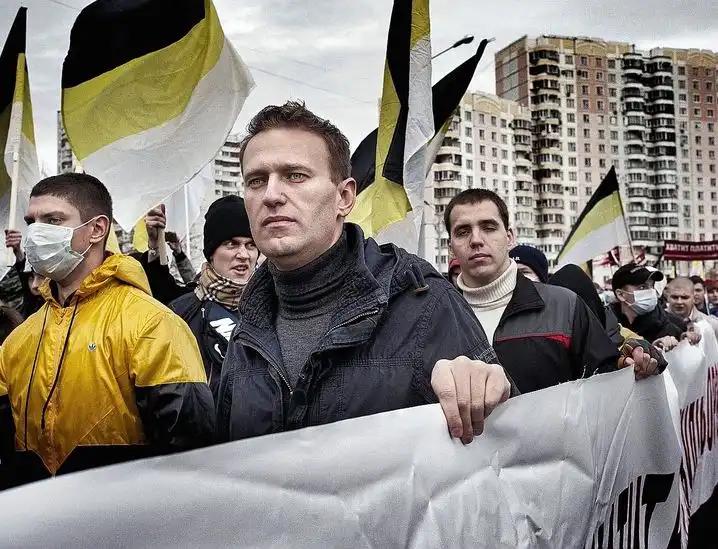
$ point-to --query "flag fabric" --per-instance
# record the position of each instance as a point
(405, 121)
(181, 209)
(445, 98)
(17, 135)
(151, 89)
(600, 227)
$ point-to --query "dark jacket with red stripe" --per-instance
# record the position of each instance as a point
(547, 336)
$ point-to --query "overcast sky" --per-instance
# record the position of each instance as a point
(331, 52)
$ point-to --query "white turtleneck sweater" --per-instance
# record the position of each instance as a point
(490, 301)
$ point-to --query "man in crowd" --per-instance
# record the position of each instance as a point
(699, 293)
(333, 326)
(103, 372)
(637, 304)
(681, 302)
(543, 335)
(29, 280)
(712, 292)
(209, 306)
(531, 262)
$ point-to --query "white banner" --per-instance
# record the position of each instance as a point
(571, 466)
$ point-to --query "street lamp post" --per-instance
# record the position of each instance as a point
(468, 39)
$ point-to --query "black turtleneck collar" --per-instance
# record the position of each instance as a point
(311, 290)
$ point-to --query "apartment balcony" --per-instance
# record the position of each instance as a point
(636, 123)
(544, 56)
(661, 66)
(521, 125)
(546, 82)
(522, 147)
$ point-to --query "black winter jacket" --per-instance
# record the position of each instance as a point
(547, 335)
(212, 325)
(396, 317)
(654, 325)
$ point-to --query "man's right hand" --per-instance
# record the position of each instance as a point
(13, 239)
(154, 221)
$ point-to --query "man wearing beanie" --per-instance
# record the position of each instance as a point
(543, 335)
(209, 304)
(531, 262)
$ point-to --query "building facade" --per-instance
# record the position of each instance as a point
(595, 104)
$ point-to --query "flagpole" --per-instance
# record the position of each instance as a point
(187, 223)
(14, 176)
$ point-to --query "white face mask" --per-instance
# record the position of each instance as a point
(49, 250)
(644, 301)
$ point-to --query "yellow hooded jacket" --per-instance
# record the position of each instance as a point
(111, 376)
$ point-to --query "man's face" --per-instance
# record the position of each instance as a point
(480, 242)
(236, 259)
(699, 293)
(680, 300)
(36, 281)
(625, 294)
(58, 211)
(295, 210)
(713, 296)
(528, 272)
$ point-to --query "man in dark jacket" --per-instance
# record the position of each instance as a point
(543, 335)
(209, 305)
(334, 326)
(637, 308)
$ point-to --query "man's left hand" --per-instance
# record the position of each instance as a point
(468, 391)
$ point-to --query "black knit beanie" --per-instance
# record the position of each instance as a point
(226, 218)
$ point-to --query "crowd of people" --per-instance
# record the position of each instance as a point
(296, 318)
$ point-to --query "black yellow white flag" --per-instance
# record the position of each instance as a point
(17, 135)
(151, 89)
(600, 227)
(406, 122)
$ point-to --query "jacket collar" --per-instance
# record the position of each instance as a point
(364, 296)
(524, 298)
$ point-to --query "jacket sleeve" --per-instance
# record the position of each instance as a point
(163, 285)
(224, 393)
(185, 267)
(592, 351)
(452, 330)
(7, 433)
(173, 398)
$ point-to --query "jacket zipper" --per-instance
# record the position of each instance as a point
(271, 363)
(369, 313)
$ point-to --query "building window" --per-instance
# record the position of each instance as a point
(503, 122)
(585, 104)
(584, 90)
(505, 170)
(612, 78)
(587, 162)
(467, 132)
(504, 139)
(601, 148)
(495, 168)
(586, 132)
(494, 152)
(482, 150)
(696, 85)
(614, 149)
(601, 162)
(469, 148)
(493, 137)
(483, 167)
(571, 132)
(612, 92)
(469, 164)
(493, 121)
(572, 146)
(587, 147)
(482, 119)
(682, 71)
(586, 118)
(571, 118)
(584, 60)
(504, 154)
(568, 60)
(470, 180)
(467, 116)
(571, 160)
(599, 105)
(696, 98)
(482, 134)
(599, 75)
(570, 104)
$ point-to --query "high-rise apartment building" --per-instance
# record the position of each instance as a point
(595, 104)
(488, 145)
(227, 171)
(66, 161)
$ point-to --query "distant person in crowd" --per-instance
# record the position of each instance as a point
(573, 278)
(184, 265)
(209, 305)
(102, 373)
(699, 293)
(681, 302)
(332, 325)
(543, 335)
(454, 270)
(531, 262)
(29, 280)
(9, 320)
(637, 306)
(712, 293)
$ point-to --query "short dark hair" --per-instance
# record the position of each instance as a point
(697, 280)
(474, 196)
(293, 114)
(85, 192)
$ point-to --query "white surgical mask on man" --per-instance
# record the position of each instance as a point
(644, 301)
(49, 250)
